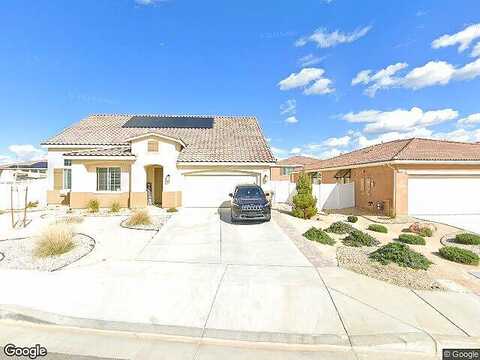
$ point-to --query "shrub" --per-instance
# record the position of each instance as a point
(93, 206)
(378, 228)
(139, 217)
(425, 232)
(458, 255)
(402, 255)
(411, 239)
(352, 219)
(422, 228)
(56, 239)
(172, 210)
(467, 239)
(115, 208)
(358, 238)
(319, 235)
(304, 203)
(340, 227)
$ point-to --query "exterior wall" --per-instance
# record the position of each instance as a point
(171, 199)
(276, 173)
(79, 200)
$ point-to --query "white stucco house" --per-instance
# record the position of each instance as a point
(172, 161)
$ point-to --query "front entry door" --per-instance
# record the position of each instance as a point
(158, 185)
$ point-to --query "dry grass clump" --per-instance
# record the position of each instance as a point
(139, 217)
(116, 207)
(70, 220)
(56, 239)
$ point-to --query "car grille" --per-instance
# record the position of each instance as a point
(252, 208)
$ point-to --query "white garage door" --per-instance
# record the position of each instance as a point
(443, 195)
(212, 190)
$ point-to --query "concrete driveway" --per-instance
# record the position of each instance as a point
(204, 277)
(466, 222)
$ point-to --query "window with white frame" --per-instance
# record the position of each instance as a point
(108, 179)
(67, 179)
(287, 170)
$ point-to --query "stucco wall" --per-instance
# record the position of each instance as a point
(276, 174)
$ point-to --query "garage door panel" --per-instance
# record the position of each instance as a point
(443, 195)
(212, 190)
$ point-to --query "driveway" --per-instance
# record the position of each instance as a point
(204, 277)
(467, 222)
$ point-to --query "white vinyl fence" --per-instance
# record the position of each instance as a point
(329, 196)
(37, 191)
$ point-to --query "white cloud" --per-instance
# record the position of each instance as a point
(296, 150)
(470, 120)
(289, 107)
(337, 141)
(150, 2)
(26, 152)
(4, 159)
(309, 60)
(291, 120)
(430, 74)
(310, 79)
(362, 141)
(278, 152)
(399, 120)
(476, 50)
(462, 38)
(460, 135)
(325, 39)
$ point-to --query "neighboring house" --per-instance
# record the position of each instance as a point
(26, 170)
(412, 176)
(168, 160)
(285, 167)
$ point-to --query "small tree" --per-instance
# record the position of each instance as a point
(304, 203)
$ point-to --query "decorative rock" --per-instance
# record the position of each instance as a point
(417, 227)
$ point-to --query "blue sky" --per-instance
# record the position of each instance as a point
(323, 77)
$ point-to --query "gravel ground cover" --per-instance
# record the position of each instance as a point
(449, 240)
(356, 259)
(19, 254)
(158, 222)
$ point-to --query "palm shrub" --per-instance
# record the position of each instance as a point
(458, 255)
(411, 239)
(318, 235)
(358, 238)
(402, 255)
(378, 228)
(467, 239)
(304, 203)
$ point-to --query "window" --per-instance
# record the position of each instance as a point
(152, 146)
(286, 170)
(67, 179)
(67, 163)
(317, 178)
(108, 179)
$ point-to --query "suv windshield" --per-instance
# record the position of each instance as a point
(249, 192)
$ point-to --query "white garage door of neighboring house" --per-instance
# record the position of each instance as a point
(443, 195)
(212, 190)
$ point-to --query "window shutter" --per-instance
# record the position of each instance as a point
(153, 146)
(57, 179)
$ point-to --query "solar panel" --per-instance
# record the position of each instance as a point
(169, 122)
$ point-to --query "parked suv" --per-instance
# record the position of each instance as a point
(250, 203)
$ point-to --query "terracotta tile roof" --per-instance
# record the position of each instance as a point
(229, 139)
(117, 151)
(297, 160)
(414, 149)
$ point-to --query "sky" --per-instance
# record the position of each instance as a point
(322, 76)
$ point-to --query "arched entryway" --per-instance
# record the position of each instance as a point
(154, 184)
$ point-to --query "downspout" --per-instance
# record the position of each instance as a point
(130, 186)
(394, 189)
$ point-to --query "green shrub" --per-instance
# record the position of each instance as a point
(352, 219)
(115, 208)
(304, 203)
(340, 227)
(32, 204)
(93, 206)
(319, 235)
(425, 232)
(378, 228)
(458, 255)
(139, 217)
(358, 238)
(56, 239)
(172, 210)
(467, 239)
(411, 239)
(402, 255)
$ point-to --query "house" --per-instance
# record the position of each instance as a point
(25, 170)
(413, 176)
(169, 160)
(285, 167)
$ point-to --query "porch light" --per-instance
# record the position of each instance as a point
(167, 179)
(265, 179)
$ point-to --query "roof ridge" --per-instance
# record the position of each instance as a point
(449, 141)
(174, 115)
(409, 141)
